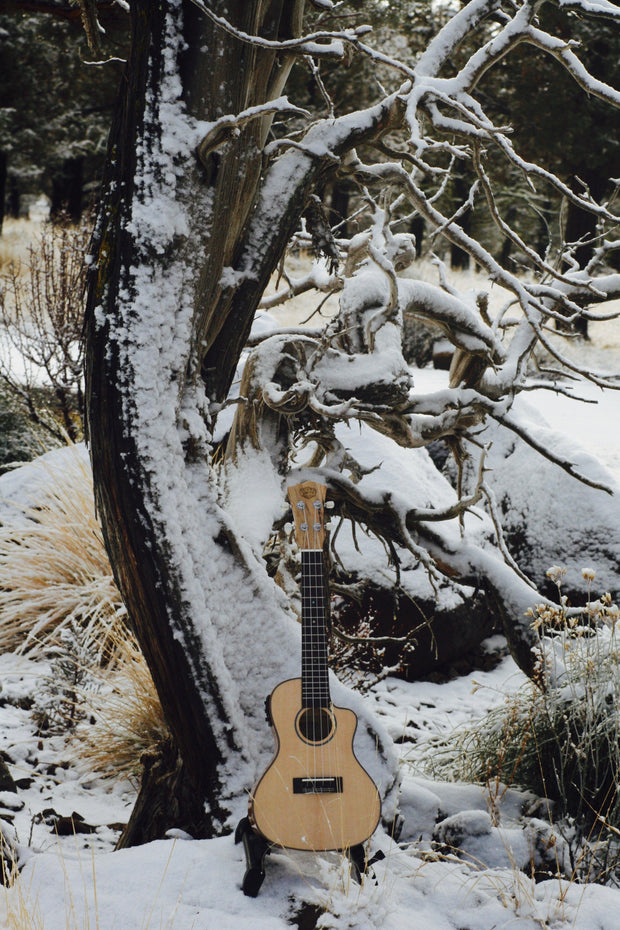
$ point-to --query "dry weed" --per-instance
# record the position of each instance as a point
(56, 579)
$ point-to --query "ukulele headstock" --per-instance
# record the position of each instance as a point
(308, 505)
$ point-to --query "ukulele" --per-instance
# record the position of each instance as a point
(314, 795)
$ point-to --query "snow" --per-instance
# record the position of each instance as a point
(179, 883)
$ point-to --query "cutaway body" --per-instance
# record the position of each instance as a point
(314, 795)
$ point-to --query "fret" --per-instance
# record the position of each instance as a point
(314, 652)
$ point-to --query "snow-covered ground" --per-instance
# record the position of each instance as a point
(77, 882)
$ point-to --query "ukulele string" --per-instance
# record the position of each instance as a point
(320, 685)
(316, 673)
(308, 618)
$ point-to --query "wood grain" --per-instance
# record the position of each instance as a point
(335, 820)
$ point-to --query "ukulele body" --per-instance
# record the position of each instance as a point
(314, 795)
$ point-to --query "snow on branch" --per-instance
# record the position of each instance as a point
(538, 439)
(316, 279)
(561, 50)
(461, 322)
(539, 303)
(496, 48)
(597, 7)
(452, 35)
(218, 132)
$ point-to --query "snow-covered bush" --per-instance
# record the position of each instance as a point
(559, 736)
(58, 703)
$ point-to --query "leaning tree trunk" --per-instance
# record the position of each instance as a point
(188, 235)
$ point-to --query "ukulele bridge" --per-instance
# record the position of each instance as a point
(320, 785)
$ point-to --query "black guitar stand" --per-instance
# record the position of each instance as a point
(256, 849)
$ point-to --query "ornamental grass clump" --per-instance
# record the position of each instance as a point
(559, 735)
(60, 602)
(125, 719)
(54, 569)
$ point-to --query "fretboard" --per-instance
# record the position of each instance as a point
(314, 675)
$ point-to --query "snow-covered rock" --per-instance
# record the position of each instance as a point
(549, 516)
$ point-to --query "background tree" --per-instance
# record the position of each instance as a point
(55, 111)
(583, 152)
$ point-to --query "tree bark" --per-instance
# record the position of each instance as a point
(150, 589)
(3, 161)
(168, 800)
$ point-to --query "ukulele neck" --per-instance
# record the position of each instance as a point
(314, 669)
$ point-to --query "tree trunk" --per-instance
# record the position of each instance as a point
(67, 186)
(127, 488)
(3, 161)
(168, 800)
(183, 250)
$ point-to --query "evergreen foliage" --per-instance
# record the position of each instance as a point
(55, 109)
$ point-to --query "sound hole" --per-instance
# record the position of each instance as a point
(315, 724)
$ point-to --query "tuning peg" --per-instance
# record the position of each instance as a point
(329, 505)
(288, 527)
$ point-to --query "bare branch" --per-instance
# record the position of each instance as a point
(563, 52)
(316, 44)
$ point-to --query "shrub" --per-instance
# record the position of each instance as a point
(127, 714)
(60, 601)
(42, 317)
(560, 735)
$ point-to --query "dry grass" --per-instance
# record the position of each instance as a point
(55, 576)
(54, 567)
(129, 718)
(17, 236)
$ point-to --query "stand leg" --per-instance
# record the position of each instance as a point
(359, 864)
(357, 858)
(255, 848)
